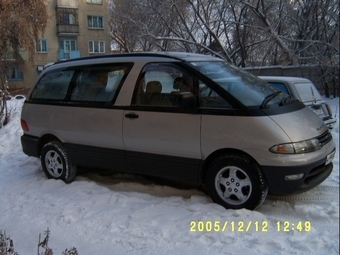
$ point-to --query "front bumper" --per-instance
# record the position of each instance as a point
(314, 174)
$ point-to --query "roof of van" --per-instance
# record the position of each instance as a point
(284, 79)
(182, 56)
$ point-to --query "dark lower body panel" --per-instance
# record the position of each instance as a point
(96, 157)
(184, 169)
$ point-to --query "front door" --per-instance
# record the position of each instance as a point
(160, 137)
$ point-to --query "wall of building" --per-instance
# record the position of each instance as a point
(87, 34)
(84, 9)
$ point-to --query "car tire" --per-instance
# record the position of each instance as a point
(235, 181)
(56, 163)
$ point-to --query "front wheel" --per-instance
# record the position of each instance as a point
(56, 163)
(235, 181)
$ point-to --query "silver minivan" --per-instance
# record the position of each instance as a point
(184, 116)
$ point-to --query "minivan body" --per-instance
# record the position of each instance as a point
(185, 116)
(305, 91)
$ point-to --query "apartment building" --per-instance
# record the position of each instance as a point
(76, 28)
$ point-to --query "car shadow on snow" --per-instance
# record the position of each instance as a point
(155, 186)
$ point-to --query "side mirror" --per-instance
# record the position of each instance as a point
(188, 101)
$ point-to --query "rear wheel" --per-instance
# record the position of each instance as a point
(56, 163)
(235, 181)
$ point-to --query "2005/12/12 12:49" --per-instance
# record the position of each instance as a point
(241, 226)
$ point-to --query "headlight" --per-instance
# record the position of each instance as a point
(297, 148)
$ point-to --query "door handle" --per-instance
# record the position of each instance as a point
(131, 115)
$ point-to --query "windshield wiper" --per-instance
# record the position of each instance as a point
(268, 98)
(287, 100)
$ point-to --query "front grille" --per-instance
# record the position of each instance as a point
(325, 138)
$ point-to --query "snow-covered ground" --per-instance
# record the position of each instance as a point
(127, 214)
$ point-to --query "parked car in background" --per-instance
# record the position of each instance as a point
(305, 91)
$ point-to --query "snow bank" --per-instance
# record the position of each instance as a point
(128, 214)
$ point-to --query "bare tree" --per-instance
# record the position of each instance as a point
(125, 24)
(317, 38)
(246, 32)
(21, 22)
(144, 25)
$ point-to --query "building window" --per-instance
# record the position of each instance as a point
(95, 22)
(67, 48)
(42, 46)
(14, 74)
(94, 1)
(96, 47)
(67, 16)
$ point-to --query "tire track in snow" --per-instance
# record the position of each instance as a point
(320, 196)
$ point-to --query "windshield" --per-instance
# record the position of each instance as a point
(246, 88)
(307, 92)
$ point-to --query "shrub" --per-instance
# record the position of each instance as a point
(7, 245)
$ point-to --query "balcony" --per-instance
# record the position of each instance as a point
(67, 3)
(67, 29)
(67, 18)
(68, 54)
(9, 55)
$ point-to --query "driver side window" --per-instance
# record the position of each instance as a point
(162, 85)
(208, 98)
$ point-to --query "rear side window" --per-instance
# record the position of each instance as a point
(98, 84)
(92, 83)
(53, 85)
